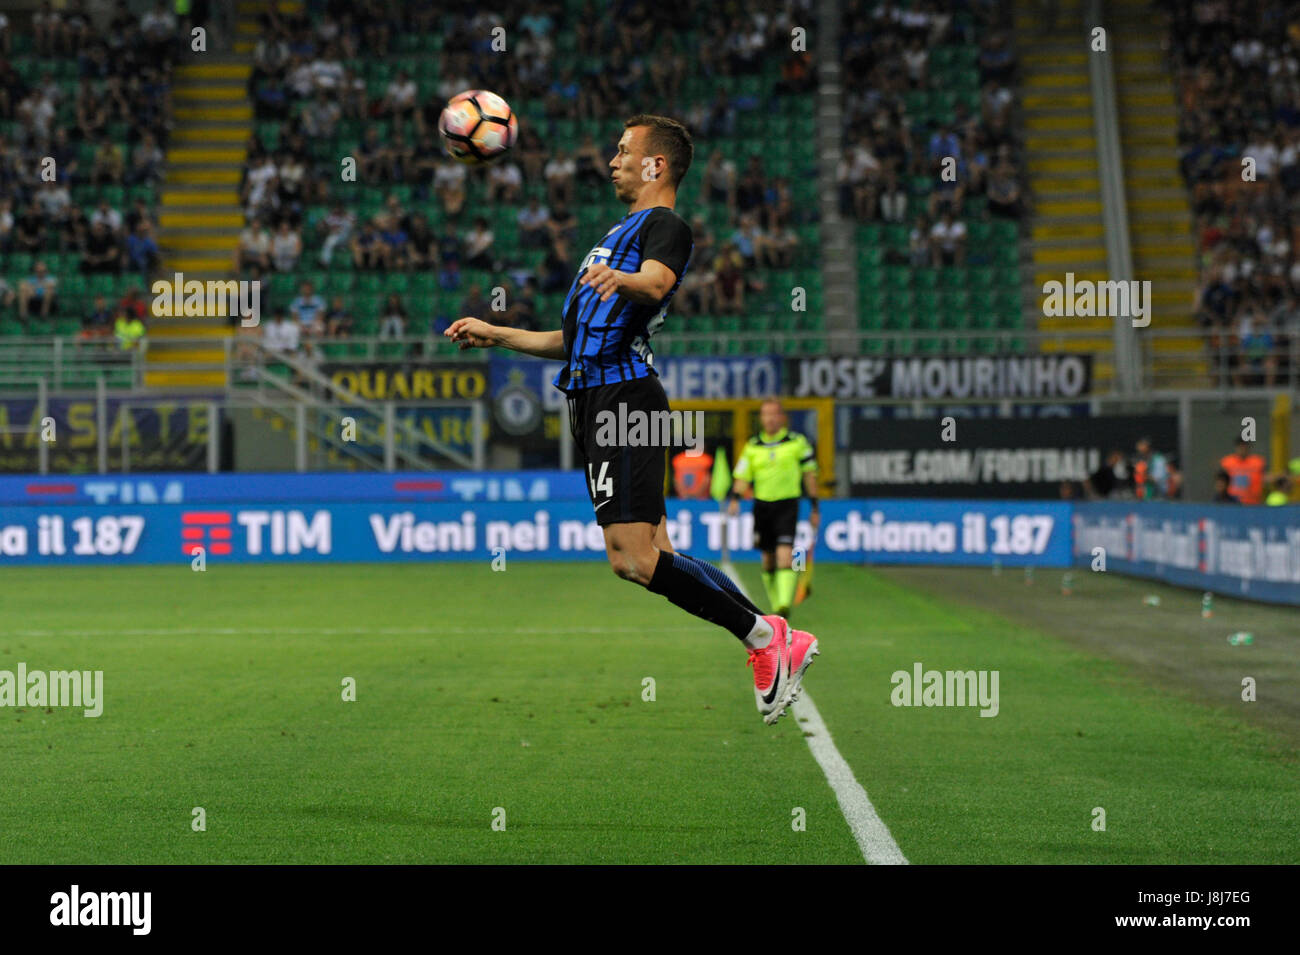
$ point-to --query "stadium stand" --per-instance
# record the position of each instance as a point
(938, 84)
(368, 82)
(75, 244)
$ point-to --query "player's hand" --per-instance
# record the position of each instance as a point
(603, 280)
(734, 507)
(472, 333)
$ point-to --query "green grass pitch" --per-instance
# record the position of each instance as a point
(523, 691)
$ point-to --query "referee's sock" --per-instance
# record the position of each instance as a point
(688, 587)
(719, 577)
(786, 582)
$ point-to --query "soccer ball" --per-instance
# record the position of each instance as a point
(477, 127)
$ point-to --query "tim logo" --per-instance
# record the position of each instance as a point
(209, 530)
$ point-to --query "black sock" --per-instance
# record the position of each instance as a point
(719, 577)
(685, 585)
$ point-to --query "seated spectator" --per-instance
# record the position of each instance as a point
(7, 297)
(919, 243)
(29, 233)
(695, 295)
(39, 290)
(557, 269)
(129, 331)
(98, 322)
(948, 242)
(522, 312)
(394, 238)
(449, 275)
(254, 246)
(320, 119)
(146, 162)
(449, 245)
(399, 100)
(281, 335)
(474, 305)
(393, 322)
(478, 245)
(337, 228)
(591, 168)
(139, 213)
(560, 173)
(423, 166)
(338, 320)
(781, 247)
(729, 279)
(142, 251)
(563, 225)
(109, 217)
(308, 309)
(533, 221)
(107, 164)
(422, 245)
(749, 240)
(368, 249)
(132, 303)
(6, 224)
(1004, 191)
(372, 156)
(286, 248)
(505, 182)
(102, 252)
(449, 186)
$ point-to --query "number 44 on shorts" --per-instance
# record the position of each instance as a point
(602, 483)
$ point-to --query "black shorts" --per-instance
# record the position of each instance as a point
(626, 484)
(775, 523)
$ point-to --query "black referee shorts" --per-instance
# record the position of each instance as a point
(775, 523)
(626, 484)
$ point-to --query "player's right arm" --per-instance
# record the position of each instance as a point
(476, 333)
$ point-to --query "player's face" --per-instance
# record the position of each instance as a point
(628, 163)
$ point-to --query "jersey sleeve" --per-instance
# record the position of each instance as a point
(807, 457)
(744, 471)
(668, 239)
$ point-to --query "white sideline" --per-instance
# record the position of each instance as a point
(877, 845)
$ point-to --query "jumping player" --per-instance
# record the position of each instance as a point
(617, 301)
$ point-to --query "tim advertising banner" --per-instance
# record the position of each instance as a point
(998, 457)
(1251, 552)
(293, 488)
(860, 532)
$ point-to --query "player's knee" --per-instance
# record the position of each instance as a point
(627, 566)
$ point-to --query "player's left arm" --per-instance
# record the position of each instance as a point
(649, 286)
(808, 463)
(666, 245)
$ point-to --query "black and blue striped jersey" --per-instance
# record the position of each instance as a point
(609, 342)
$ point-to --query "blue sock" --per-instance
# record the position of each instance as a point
(720, 580)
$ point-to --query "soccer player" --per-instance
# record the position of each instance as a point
(775, 463)
(616, 303)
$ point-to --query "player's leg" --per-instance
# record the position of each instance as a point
(785, 519)
(785, 579)
(715, 574)
(633, 556)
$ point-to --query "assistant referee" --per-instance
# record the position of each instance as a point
(776, 463)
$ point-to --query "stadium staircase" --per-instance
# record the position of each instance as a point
(838, 264)
(1061, 148)
(1159, 216)
(201, 217)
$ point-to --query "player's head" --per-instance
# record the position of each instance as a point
(654, 152)
(771, 415)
